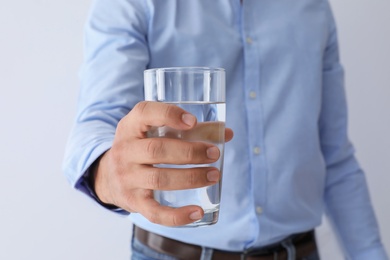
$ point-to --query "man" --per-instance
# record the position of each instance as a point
(290, 159)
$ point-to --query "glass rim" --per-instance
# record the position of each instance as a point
(186, 69)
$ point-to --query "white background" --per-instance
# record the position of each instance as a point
(41, 217)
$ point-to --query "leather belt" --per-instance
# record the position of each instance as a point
(304, 244)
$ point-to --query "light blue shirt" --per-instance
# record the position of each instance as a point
(290, 160)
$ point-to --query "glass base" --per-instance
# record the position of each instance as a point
(209, 218)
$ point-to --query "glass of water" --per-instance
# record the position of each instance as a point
(201, 92)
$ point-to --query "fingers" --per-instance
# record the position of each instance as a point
(146, 114)
(130, 177)
(163, 215)
(167, 216)
(172, 151)
(154, 178)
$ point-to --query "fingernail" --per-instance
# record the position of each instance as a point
(213, 153)
(195, 215)
(188, 119)
(213, 176)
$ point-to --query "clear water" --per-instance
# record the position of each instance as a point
(210, 128)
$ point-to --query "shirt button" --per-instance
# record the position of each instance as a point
(259, 210)
(249, 40)
(256, 150)
(252, 95)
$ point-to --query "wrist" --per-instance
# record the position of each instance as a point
(95, 180)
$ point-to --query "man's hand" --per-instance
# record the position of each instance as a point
(125, 177)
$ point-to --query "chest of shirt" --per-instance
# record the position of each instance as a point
(216, 33)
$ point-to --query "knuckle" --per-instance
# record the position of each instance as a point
(168, 220)
(189, 152)
(135, 200)
(117, 161)
(157, 179)
(120, 125)
(129, 202)
(168, 111)
(140, 107)
(192, 178)
(175, 220)
(154, 148)
(154, 217)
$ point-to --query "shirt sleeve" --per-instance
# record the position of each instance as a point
(116, 55)
(347, 200)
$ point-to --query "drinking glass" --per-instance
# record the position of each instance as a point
(201, 92)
